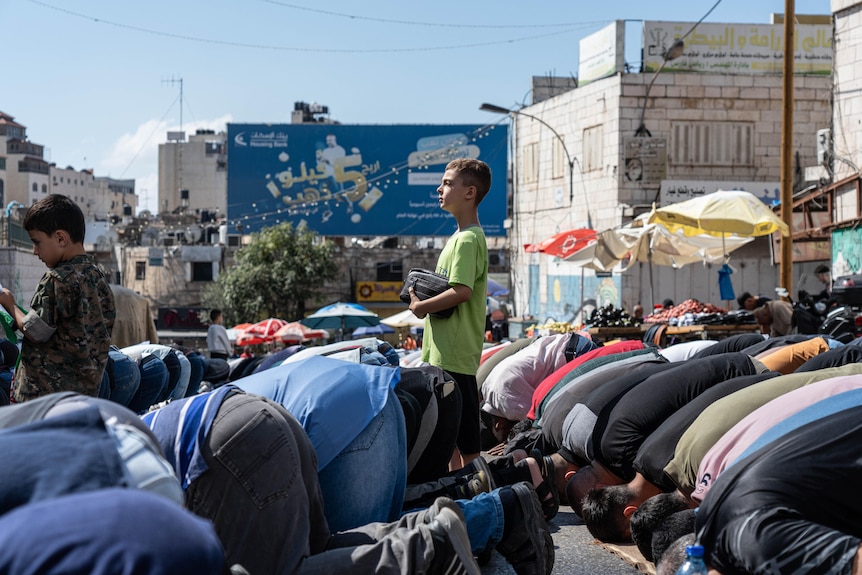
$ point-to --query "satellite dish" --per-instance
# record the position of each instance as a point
(194, 234)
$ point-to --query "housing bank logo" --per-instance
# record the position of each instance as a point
(258, 139)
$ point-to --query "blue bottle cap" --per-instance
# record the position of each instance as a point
(694, 550)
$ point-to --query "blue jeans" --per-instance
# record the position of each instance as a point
(484, 518)
(365, 483)
(172, 362)
(154, 380)
(199, 366)
(185, 375)
(485, 521)
(123, 377)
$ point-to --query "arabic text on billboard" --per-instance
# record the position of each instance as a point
(357, 180)
(738, 48)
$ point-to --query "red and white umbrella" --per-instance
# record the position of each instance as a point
(298, 333)
(563, 244)
(260, 332)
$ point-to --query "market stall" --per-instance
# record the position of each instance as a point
(686, 321)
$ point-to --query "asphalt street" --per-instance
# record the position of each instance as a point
(576, 551)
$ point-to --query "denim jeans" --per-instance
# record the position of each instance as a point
(199, 366)
(172, 362)
(484, 518)
(154, 380)
(365, 483)
(485, 521)
(123, 377)
(179, 391)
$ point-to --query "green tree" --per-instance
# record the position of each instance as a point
(280, 270)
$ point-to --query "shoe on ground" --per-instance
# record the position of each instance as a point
(472, 485)
(529, 547)
(452, 551)
(480, 465)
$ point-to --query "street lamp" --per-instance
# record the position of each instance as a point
(569, 158)
(675, 51)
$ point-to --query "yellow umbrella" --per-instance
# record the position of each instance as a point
(720, 213)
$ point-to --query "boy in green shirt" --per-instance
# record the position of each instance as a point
(455, 343)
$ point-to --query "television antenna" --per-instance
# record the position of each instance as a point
(174, 81)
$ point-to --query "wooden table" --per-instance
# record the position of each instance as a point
(675, 334)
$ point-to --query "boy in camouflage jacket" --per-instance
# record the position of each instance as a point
(67, 331)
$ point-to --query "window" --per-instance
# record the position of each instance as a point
(593, 148)
(44, 188)
(35, 187)
(559, 161)
(390, 271)
(531, 163)
(202, 271)
(140, 270)
(712, 144)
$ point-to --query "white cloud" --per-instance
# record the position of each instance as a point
(136, 155)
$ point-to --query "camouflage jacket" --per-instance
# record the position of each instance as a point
(67, 332)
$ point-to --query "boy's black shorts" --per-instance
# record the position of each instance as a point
(469, 439)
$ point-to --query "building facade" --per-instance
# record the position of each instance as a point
(25, 173)
(193, 173)
(626, 145)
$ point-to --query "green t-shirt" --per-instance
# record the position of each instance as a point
(455, 343)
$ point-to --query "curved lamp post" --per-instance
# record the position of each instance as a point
(675, 51)
(569, 158)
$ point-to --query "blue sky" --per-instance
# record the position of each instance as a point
(91, 79)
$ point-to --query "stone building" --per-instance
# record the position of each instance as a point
(603, 153)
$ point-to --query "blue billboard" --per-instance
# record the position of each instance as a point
(357, 180)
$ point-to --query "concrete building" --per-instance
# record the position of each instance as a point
(113, 197)
(193, 173)
(25, 177)
(79, 185)
(605, 152)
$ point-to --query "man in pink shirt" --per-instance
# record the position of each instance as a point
(737, 440)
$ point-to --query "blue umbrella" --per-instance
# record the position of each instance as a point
(342, 316)
(365, 331)
(496, 289)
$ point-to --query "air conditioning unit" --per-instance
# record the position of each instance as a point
(824, 146)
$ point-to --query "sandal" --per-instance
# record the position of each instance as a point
(547, 490)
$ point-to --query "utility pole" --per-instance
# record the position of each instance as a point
(786, 264)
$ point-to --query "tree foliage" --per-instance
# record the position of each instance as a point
(280, 270)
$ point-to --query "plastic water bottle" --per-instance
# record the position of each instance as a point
(694, 564)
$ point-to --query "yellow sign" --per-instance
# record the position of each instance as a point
(378, 291)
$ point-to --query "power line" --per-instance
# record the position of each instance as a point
(217, 42)
(714, 6)
(150, 137)
(429, 24)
